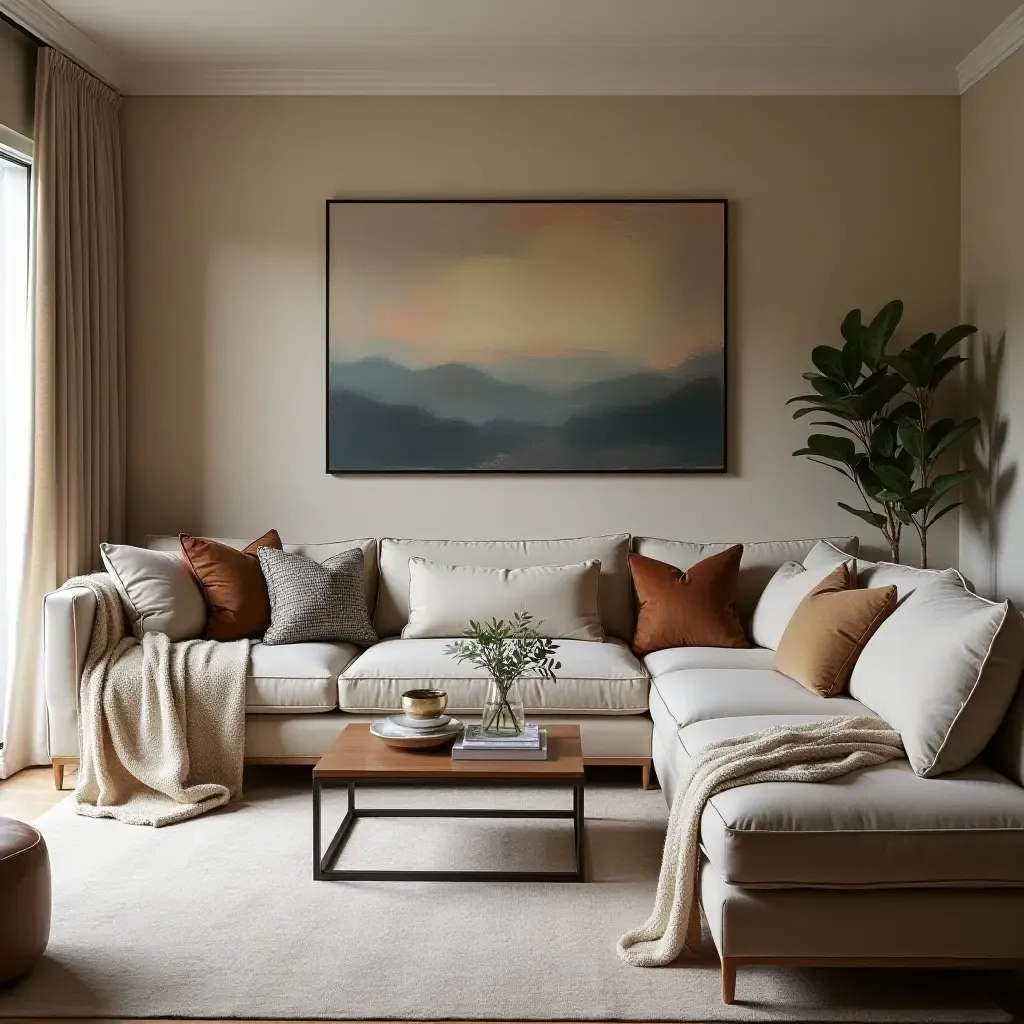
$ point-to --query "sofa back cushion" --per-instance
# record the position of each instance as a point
(392, 612)
(562, 599)
(318, 552)
(1006, 751)
(942, 670)
(757, 566)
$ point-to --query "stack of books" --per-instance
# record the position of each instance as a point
(476, 745)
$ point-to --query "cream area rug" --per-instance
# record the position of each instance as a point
(220, 917)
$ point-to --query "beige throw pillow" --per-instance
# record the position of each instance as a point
(828, 631)
(157, 590)
(561, 598)
(781, 598)
(943, 671)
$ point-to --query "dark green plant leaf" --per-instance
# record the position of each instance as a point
(835, 449)
(805, 398)
(894, 480)
(875, 519)
(942, 369)
(876, 398)
(852, 329)
(955, 434)
(914, 441)
(850, 359)
(884, 440)
(925, 344)
(918, 500)
(831, 465)
(879, 332)
(905, 461)
(947, 481)
(953, 337)
(830, 361)
(870, 381)
(938, 515)
(906, 411)
(835, 424)
(829, 388)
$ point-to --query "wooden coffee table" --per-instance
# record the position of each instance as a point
(357, 758)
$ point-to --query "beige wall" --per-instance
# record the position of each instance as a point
(17, 80)
(835, 203)
(992, 275)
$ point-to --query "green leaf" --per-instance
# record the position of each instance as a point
(876, 519)
(851, 328)
(955, 434)
(894, 480)
(879, 332)
(947, 481)
(925, 344)
(938, 515)
(918, 500)
(804, 398)
(906, 411)
(905, 461)
(953, 337)
(879, 395)
(884, 439)
(835, 449)
(830, 361)
(850, 359)
(829, 388)
(914, 441)
(942, 369)
(835, 424)
(830, 465)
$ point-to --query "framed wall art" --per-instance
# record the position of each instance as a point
(526, 336)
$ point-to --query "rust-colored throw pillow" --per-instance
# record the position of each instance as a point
(232, 584)
(828, 631)
(696, 608)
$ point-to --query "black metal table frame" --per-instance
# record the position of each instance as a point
(322, 870)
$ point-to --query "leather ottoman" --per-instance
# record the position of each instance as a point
(24, 897)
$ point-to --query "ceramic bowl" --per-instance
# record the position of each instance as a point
(424, 703)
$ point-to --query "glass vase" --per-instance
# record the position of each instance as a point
(503, 713)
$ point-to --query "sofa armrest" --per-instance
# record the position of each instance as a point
(68, 617)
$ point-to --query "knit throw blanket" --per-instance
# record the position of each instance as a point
(814, 752)
(161, 725)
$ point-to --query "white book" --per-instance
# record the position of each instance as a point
(460, 752)
(529, 739)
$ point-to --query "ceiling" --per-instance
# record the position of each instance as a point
(530, 46)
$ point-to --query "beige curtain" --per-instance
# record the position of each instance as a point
(76, 486)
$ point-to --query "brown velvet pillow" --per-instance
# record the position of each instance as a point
(232, 584)
(696, 608)
(828, 631)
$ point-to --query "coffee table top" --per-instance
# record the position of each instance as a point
(356, 754)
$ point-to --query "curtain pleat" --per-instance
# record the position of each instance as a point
(76, 493)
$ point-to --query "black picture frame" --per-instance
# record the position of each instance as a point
(719, 470)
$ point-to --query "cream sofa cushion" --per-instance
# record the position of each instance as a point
(318, 552)
(616, 609)
(942, 670)
(295, 678)
(673, 659)
(759, 562)
(780, 599)
(905, 578)
(595, 678)
(876, 827)
(561, 598)
(699, 694)
(157, 590)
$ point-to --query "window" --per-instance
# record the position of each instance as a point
(15, 386)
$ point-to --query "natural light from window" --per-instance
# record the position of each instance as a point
(15, 390)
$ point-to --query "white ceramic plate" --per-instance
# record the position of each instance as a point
(420, 724)
(386, 730)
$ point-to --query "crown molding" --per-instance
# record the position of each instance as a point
(992, 51)
(42, 21)
(447, 79)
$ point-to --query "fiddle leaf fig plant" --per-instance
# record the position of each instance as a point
(889, 442)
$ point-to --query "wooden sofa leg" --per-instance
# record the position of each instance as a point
(728, 981)
(645, 778)
(58, 774)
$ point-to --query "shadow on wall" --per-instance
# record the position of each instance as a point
(987, 493)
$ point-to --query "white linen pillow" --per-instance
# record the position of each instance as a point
(157, 590)
(561, 598)
(905, 578)
(780, 598)
(942, 670)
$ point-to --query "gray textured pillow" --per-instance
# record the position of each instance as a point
(312, 601)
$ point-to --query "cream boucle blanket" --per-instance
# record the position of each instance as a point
(803, 753)
(161, 725)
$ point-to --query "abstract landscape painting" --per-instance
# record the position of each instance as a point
(526, 336)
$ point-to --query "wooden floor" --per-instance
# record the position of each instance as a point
(30, 793)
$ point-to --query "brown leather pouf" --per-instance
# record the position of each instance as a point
(24, 898)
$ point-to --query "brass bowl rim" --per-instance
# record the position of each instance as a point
(425, 694)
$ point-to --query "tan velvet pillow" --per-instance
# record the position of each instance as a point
(232, 584)
(828, 631)
(696, 608)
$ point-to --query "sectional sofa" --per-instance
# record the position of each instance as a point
(878, 867)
